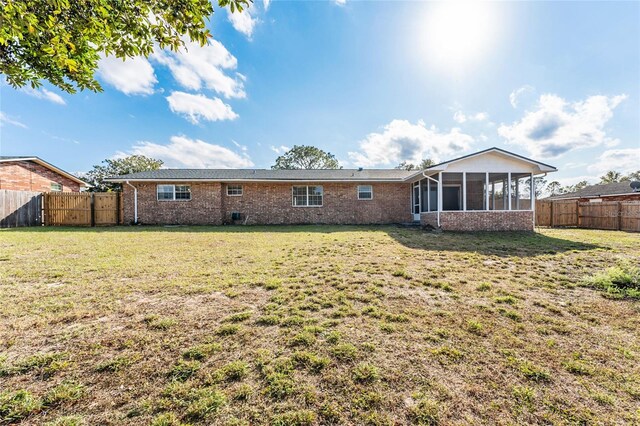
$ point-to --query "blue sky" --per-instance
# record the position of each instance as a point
(374, 83)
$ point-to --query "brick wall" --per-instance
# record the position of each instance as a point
(515, 220)
(270, 203)
(628, 197)
(30, 176)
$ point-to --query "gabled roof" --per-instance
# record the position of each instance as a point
(37, 160)
(596, 191)
(441, 166)
(230, 175)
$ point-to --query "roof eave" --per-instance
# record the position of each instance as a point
(50, 167)
(123, 180)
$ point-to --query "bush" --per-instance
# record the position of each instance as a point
(618, 282)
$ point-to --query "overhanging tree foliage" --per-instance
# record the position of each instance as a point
(306, 157)
(61, 40)
(120, 166)
(405, 165)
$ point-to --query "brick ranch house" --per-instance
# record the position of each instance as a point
(34, 174)
(488, 190)
(616, 191)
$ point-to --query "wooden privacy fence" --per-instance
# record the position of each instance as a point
(82, 209)
(614, 215)
(20, 208)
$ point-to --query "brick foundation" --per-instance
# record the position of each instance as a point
(30, 176)
(515, 220)
(270, 203)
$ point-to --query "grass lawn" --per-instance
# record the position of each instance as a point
(314, 325)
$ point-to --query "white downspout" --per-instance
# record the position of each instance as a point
(429, 196)
(135, 203)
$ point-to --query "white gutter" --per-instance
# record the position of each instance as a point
(135, 203)
(429, 195)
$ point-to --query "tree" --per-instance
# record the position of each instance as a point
(554, 188)
(539, 184)
(405, 165)
(611, 176)
(306, 157)
(62, 40)
(632, 176)
(116, 167)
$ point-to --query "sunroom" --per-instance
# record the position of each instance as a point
(492, 190)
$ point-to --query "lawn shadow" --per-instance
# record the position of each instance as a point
(503, 244)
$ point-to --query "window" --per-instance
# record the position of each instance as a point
(365, 192)
(307, 196)
(234, 190)
(56, 187)
(174, 192)
(476, 187)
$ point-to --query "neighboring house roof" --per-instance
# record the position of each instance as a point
(596, 191)
(37, 160)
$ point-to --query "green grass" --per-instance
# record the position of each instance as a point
(317, 325)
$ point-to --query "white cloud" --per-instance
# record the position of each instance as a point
(243, 21)
(621, 160)
(461, 117)
(6, 119)
(557, 126)
(242, 147)
(266, 3)
(195, 67)
(279, 149)
(515, 95)
(190, 153)
(134, 76)
(340, 2)
(401, 140)
(198, 107)
(45, 94)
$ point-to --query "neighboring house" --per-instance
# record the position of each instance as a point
(616, 191)
(34, 174)
(488, 190)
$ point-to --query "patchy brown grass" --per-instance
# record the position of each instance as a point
(314, 325)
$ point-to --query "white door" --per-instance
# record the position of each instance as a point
(416, 202)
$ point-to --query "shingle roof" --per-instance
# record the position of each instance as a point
(607, 189)
(263, 174)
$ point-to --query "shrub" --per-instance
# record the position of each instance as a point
(617, 282)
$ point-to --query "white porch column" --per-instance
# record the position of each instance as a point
(486, 190)
(439, 191)
(464, 191)
(428, 195)
(509, 188)
(517, 194)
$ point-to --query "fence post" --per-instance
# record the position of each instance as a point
(551, 222)
(93, 211)
(619, 215)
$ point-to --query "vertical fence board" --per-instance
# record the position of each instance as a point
(20, 208)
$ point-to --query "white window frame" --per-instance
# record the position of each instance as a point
(306, 195)
(173, 193)
(370, 191)
(235, 187)
(57, 185)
